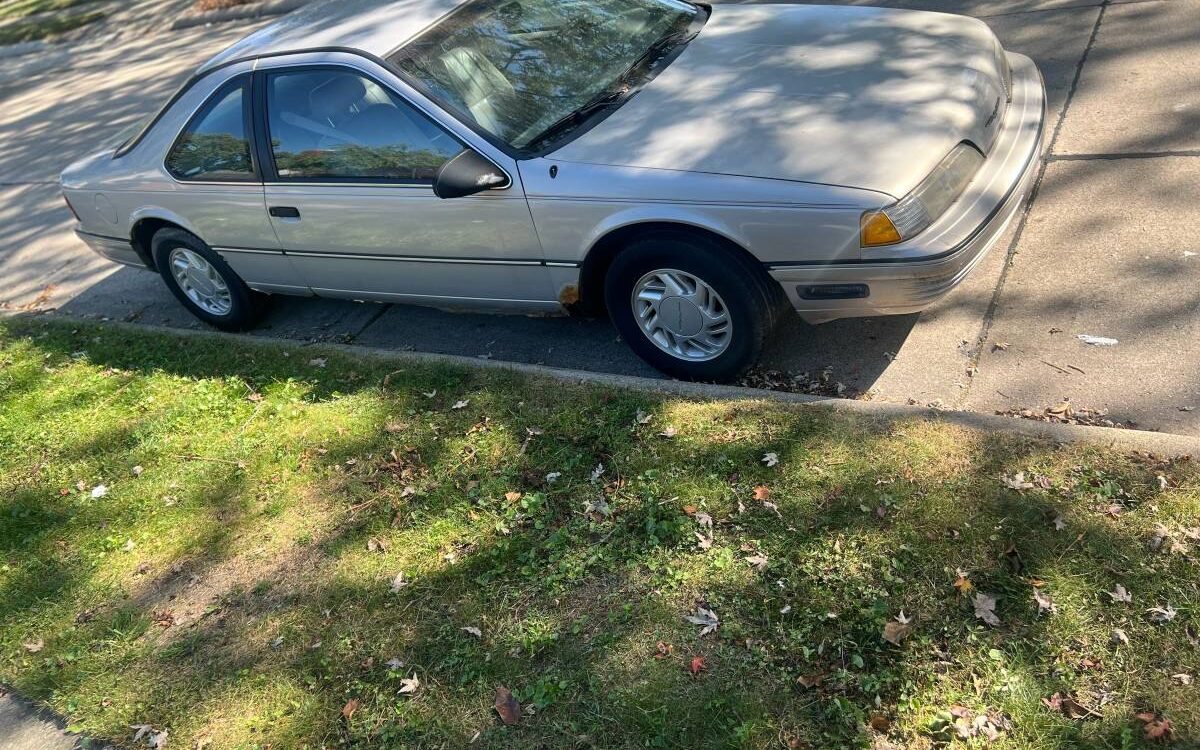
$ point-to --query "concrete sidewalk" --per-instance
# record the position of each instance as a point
(24, 728)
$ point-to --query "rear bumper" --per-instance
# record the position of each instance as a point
(112, 248)
(909, 277)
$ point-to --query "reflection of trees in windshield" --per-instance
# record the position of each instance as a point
(385, 162)
(517, 67)
(210, 156)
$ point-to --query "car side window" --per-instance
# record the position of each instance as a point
(215, 145)
(337, 125)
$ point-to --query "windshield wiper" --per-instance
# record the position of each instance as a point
(623, 86)
(604, 99)
(656, 52)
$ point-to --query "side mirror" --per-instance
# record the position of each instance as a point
(467, 174)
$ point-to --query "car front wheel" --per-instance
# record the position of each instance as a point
(689, 307)
(205, 284)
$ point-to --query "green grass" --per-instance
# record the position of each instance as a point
(22, 8)
(238, 589)
(46, 26)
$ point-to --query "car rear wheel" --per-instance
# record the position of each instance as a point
(205, 284)
(690, 307)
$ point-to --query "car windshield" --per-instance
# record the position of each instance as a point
(521, 68)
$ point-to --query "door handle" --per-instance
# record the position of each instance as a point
(284, 212)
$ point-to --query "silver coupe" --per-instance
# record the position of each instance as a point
(695, 172)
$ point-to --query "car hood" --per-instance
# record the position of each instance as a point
(868, 98)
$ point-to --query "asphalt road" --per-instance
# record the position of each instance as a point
(1107, 248)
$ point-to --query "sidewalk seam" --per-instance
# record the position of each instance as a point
(989, 317)
(1185, 153)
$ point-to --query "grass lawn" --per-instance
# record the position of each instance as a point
(22, 8)
(45, 26)
(206, 537)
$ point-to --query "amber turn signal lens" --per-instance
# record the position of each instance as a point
(878, 229)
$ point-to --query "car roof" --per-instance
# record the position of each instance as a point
(376, 27)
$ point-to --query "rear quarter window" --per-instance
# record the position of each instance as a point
(215, 144)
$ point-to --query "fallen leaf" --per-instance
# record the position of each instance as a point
(985, 609)
(409, 685)
(696, 666)
(895, 632)
(136, 471)
(154, 738)
(474, 631)
(1156, 727)
(1016, 481)
(758, 562)
(394, 663)
(880, 723)
(962, 582)
(771, 460)
(1044, 603)
(1183, 678)
(1059, 522)
(643, 418)
(762, 492)
(553, 477)
(705, 617)
(663, 650)
(1160, 615)
(459, 405)
(810, 681)
(1118, 637)
(428, 394)
(99, 491)
(350, 707)
(1119, 594)
(35, 646)
(597, 473)
(507, 706)
(670, 432)
(512, 497)
(398, 582)
(375, 544)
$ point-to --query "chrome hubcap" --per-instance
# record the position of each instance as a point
(682, 315)
(201, 282)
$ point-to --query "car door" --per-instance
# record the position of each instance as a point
(219, 187)
(349, 188)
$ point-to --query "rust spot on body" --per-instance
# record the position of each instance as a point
(569, 295)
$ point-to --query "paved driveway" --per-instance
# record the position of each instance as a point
(1109, 247)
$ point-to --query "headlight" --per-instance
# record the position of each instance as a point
(912, 214)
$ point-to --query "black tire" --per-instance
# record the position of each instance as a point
(752, 299)
(247, 306)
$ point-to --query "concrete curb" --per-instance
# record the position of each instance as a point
(1158, 443)
(240, 13)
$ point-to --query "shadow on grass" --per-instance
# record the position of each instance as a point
(268, 607)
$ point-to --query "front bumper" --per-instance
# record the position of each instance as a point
(910, 276)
